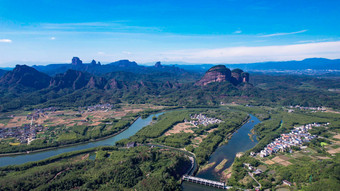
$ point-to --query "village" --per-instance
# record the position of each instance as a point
(24, 134)
(101, 107)
(200, 119)
(313, 109)
(296, 137)
(40, 113)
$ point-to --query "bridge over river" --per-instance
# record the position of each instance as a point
(208, 179)
(205, 182)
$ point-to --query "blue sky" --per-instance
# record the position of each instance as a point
(214, 31)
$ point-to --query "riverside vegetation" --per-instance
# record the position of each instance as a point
(231, 120)
(141, 168)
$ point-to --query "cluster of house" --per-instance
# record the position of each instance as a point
(24, 134)
(252, 169)
(200, 119)
(100, 107)
(291, 108)
(40, 113)
(296, 137)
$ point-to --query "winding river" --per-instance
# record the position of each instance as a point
(134, 128)
(239, 142)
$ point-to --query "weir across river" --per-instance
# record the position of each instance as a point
(205, 182)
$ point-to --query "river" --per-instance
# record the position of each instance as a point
(240, 142)
(134, 128)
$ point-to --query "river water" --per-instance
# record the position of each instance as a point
(133, 129)
(240, 142)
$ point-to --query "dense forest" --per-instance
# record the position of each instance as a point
(74, 89)
(141, 168)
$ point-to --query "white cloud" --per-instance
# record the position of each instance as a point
(52, 38)
(116, 26)
(282, 34)
(6, 40)
(238, 32)
(126, 52)
(255, 54)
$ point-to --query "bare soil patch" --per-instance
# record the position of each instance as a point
(337, 136)
(333, 151)
(322, 157)
(282, 160)
(180, 127)
(269, 162)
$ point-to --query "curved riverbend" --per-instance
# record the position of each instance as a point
(240, 142)
(133, 129)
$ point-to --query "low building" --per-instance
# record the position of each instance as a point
(286, 182)
(131, 144)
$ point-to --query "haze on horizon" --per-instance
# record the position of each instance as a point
(245, 31)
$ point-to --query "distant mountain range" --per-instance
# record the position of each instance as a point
(77, 84)
(119, 75)
(306, 64)
(98, 69)
(182, 68)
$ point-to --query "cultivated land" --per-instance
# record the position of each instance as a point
(74, 117)
(52, 127)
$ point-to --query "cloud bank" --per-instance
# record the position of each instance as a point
(329, 50)
(282, 34)
(6, 40)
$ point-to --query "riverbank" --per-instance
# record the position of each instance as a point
(111, 141)
(225, 155)
(68, 145)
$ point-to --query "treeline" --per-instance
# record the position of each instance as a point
(139, 168)
(164, 122)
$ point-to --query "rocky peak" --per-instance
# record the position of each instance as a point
(217, 73)
(158, 65)
(71, 79)
(96, 82)
(112, 84)
(93, 62)
(76, 61)
(238, 76)
(26, 76)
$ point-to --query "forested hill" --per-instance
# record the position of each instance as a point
(25, 87)
(2, 72)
